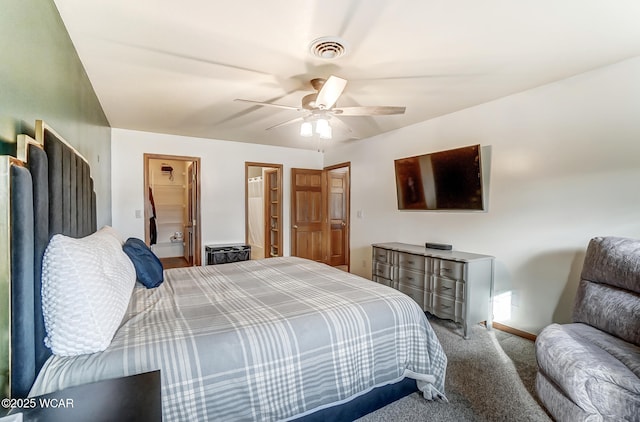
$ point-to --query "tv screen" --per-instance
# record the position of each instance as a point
(444, 180)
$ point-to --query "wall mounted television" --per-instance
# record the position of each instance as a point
(446, 180)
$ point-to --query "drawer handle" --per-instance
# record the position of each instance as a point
(446, 269)
(410, 278)
(446, 306)
(446, 288)
(411, 262)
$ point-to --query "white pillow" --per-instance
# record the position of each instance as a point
(113, 232)
(86, 288)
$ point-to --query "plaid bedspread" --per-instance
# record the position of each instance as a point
(262, 340)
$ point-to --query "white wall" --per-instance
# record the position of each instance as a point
(564, 167)
(222, 180)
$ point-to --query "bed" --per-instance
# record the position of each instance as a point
(274, 339)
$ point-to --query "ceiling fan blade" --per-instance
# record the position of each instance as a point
(268, 104)
(288, 122)
(330, 92)
(342, 126)
(368, 111)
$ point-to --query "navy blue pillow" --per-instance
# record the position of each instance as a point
(148, 266)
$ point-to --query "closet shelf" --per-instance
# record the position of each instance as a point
(169, 205)
(166, 244)
(160, 185)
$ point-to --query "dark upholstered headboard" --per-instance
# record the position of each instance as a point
(50, 191)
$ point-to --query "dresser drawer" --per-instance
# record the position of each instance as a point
(450, 269)
(414, 278)
(414, 293)
(448, 308)
(381, 269)
(428, 301)
(382, 280)
(413, 262)
(382, 255)
(447, 287)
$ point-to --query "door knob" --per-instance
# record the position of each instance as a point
(295, 226)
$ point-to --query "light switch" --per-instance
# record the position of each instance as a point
(138, 213)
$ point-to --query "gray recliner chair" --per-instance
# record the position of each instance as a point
(589, 370)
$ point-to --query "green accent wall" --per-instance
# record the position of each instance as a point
(41, 77)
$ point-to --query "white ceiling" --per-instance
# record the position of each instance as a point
(176, 66)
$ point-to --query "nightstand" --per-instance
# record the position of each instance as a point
(135, 398)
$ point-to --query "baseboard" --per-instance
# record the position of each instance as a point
(514, 331)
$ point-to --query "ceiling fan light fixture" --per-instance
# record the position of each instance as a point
(306, 129)
(320, 106)
(326, 132)
(328, 48)
(321, 126)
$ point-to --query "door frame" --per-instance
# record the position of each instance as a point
(197, 255)
(279, 168)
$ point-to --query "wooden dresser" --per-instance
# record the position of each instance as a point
(449, 284)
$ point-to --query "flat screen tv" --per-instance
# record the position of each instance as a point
(445, 180)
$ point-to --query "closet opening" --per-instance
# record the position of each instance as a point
(263, 209)
(172, 209)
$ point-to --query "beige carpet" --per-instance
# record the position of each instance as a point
(490, 377)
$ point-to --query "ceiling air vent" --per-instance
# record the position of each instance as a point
(328, 48)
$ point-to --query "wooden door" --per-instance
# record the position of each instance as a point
(273, 199)
(190, 215)
(338, 216)
(307, 214)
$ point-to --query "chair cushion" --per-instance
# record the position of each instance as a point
(148, 267)
(609, 309)
(556, 403)
(614, 261)
(608, 296)
(599, 372)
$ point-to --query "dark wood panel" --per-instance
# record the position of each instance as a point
(338, 209)
(337, 243)
(309, 245)
(136, 398)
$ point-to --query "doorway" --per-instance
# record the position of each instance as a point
(338, 212)
(320, 214)
(172, 209)
(263, 209)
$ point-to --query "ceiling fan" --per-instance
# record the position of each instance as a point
(319, 108)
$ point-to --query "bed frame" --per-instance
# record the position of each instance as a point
(51, 191)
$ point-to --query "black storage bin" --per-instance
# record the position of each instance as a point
(223, 254)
